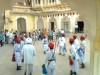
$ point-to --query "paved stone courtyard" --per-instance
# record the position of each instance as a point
(7, 67)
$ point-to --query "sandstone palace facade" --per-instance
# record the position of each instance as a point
(39, 14)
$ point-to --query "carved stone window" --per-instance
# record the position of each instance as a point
(53, 0)
(28, 2)
(39, 1)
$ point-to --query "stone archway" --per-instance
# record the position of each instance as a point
(21, 25)
(65, 23)
(52, 24)
(40, 23)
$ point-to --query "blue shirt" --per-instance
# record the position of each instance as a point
(51, 33)
(1, 36)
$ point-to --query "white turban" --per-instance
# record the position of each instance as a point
(29, 41)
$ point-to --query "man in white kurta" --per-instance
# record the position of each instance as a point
(7, 36)
(61, 44)
(51, 60)
(45, 44)
(73, 55)
(22, 43)
(28, 52)
(17, 51)
(62, 31)
(83, 48)
(11, 36)
(76, 43)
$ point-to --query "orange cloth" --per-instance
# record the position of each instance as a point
(45, 32)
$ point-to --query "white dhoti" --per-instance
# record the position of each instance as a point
(82, 56)
(18, 58)
(60, 49)
(74, 67)
(10, 39)
(29, 69)
(45, 47)
(51, 71)
(51, 68)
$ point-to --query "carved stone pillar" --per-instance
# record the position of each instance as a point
(45, 2)
(33, 3)
(57, 1)
(48, 2)
(36, 18)
(59, 22)
(41, 2)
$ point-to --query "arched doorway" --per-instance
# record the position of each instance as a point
(65, 23)
(52, 24)
(40, 23)
(21, 25)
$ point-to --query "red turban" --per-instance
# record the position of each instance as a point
(82, 38)
(71, 40)
(51, 45)
(18, 40)
(74, 36)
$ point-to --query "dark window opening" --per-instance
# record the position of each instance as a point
(52, 26)
(80, 28)
(53, 0)
(50, 1)
(39, 1)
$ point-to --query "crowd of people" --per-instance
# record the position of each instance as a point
(6, 37)
(24, 49)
